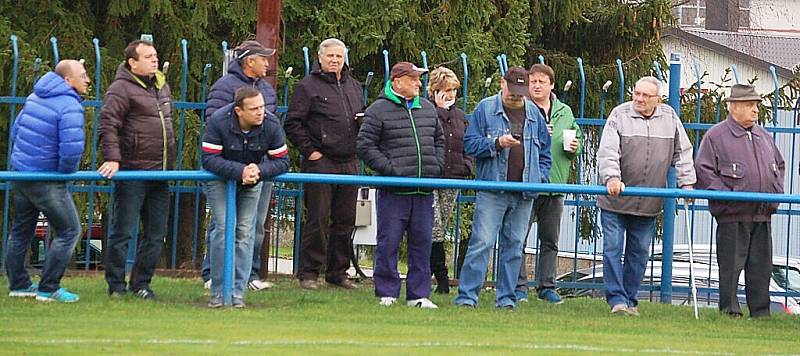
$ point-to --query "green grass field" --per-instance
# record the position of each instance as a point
(287, 320)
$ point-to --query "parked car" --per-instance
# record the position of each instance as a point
(589, 282)
(42, 236)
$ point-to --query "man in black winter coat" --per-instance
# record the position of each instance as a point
(402, 136)
(322, 123)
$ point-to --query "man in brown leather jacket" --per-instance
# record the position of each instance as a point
(136, 134)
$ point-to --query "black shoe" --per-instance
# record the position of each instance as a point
(442, 288)
(145, 293)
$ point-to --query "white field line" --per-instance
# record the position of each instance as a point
(569, 347)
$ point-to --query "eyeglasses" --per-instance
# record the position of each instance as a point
(643, 95)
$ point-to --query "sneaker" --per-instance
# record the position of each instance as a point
(619, 309)
(29, 292)
(257, 285)
(344, 284)
(238, 302)
(466, 306)
(145, 293)
(387, 301)
(309, 284)
(508, 307)
(634, 311)
(61, 295)
(423, 303)
(215, 302)
(207, 284)
(550, 296)
(522, 300)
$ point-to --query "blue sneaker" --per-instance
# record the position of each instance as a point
(61, 295)
(29, 292)
(550, 296)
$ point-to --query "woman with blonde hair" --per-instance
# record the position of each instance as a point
(442, 89)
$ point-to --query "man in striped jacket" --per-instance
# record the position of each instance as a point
(246, 144)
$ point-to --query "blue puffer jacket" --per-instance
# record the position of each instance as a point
(48, 132)
(487, 123)
(224, 88)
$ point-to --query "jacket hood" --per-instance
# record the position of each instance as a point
(125, 74)
(389, 94)
(52, 84)
(234, 68)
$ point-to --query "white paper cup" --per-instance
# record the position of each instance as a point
(569, 135)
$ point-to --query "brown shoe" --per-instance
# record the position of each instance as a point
(345, 284)
(309, 284)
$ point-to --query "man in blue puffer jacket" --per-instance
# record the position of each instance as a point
(48, 137)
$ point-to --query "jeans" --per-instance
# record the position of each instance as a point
(258, 232)
(398, 214)
(132, 199)
(547, 210)
(53, 199)
(247, 198)
(635, 232)
(505, 213)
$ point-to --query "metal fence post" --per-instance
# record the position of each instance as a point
(668, 237)
(230, 233)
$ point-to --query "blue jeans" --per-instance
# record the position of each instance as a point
(52, 199)
(132, 199)
(495, 212)
(635, 232)
(258, 232)
(247, 198)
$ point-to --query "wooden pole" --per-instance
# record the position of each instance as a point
(267, 28)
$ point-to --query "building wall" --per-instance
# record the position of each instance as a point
(715, 64)
(775, 15)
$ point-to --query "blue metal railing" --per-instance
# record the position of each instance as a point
(282, 193)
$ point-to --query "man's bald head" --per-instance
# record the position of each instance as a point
(74, 74)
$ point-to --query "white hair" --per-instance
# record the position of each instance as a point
(328, 43)
(651, 80)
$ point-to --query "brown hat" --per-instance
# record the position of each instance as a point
(517, 81)
(742, 92)
(252, 48)
(406, 68)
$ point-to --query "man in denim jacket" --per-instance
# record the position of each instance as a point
(508, 138)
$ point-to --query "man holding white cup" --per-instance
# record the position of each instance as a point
(565, 147)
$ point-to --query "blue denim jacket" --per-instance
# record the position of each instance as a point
(487, 123)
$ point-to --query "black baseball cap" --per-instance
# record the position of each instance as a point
(517, 81)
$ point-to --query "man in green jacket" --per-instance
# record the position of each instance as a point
(548, 207)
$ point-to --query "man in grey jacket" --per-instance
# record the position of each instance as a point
(640, 141)
(739, 155)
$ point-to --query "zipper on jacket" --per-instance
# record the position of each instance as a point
(164, 155)
(416, 140)
(344, 105)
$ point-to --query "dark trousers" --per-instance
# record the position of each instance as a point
(412, 214)
(439, 267)
(132, 199)
(546, 213)
(748, 246)
(52, 199)
(330, 213)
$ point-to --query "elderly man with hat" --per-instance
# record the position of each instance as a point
(739, 155)
(508, 137)
(401, 136)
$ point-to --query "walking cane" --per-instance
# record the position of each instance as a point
(691, 257)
